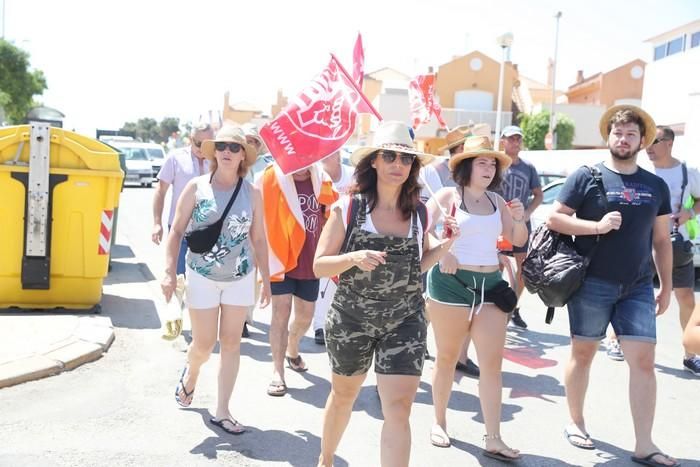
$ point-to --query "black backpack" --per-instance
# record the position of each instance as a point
(553, 269)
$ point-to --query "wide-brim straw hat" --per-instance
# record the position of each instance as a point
(393, 136)
(649, 124)
(479, 146)
(457, 135)
(230, 134)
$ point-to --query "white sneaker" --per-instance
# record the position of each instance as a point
(614, 350)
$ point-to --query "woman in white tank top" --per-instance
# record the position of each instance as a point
(458, 288)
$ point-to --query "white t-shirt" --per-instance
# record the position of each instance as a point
(346, 179)
(674, 179)
(368, 226)
(429, 178)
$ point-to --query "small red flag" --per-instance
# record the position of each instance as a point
(421, 98)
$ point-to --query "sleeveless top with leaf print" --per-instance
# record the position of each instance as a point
(231, 257)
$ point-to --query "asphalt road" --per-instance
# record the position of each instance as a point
(120, 410)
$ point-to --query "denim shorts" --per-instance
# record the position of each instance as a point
(631, 309)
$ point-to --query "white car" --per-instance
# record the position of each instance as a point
(139, 168)
(551, 192)
(157, 156)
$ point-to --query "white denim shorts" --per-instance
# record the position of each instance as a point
(203, 293)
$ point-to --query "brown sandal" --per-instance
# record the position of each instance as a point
(296, 364)
(277, 389)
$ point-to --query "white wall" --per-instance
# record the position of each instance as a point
(668, 83)
(585, 117)
(687, 147)
(565, 161)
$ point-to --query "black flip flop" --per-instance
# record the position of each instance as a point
(181, 387)
(277, 389)
(220, 424)
(501, 457)
(584, 437)
(649, 460)
(295, 364)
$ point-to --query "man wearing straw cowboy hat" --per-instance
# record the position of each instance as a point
(619, 233)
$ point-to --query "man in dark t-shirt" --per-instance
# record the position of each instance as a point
(620, 232)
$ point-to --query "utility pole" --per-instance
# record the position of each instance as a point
(504, 42)
(552, 123)
(3, 19)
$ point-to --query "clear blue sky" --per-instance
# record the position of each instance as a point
(108, 62)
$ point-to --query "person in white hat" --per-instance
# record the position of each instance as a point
(378, 311)
(620, 233)
(521, 181)
(220, 280)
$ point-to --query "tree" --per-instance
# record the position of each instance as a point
(168, 126)
(149, 130)
(146, 129)
(18, 85)
(535, 128)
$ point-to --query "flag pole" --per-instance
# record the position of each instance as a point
(354, 85)
(432, 194)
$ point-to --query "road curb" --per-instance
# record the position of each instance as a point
(92, 336)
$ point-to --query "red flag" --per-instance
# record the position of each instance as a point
(317, 122)
(422, 101)
(358, 62)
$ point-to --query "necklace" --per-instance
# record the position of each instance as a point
(476, 200)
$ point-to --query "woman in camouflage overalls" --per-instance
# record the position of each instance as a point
(378, 309)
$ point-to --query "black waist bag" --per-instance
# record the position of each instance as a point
(204, 238)
(501, 295)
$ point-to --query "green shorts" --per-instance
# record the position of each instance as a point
(448, 290)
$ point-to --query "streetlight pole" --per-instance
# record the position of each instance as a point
(554, 80)
(3, 20)
(504, 41)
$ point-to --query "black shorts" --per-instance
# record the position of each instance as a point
(306, 289)
(520, 249)
(684, 276)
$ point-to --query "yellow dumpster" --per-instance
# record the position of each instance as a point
(58, 192)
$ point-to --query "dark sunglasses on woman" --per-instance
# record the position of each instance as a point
(390, 156)
(233, 147)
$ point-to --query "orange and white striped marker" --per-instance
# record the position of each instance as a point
(105, 233)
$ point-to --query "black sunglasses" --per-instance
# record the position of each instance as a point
(390, 156)
(658, 140)
(222, 145)
(197, 144)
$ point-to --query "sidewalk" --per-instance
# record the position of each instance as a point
(35, 345)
